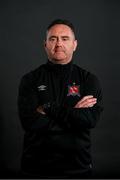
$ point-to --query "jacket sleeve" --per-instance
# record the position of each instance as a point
(77, 118)
(27, 104)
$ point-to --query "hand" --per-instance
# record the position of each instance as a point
(40, 110)
(86, 102)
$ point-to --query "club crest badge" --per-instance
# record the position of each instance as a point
(73, 90)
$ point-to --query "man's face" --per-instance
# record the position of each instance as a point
(60, 44)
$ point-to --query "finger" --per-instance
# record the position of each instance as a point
(90, 104)
(40, 110)
(86, 97)
(89, 100)
(86, 103)
(85, 106)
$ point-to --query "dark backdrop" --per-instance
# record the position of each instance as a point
(22, 28)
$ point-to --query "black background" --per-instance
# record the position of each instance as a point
(22, 28)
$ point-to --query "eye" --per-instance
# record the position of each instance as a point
(52, 39)
(65, 38)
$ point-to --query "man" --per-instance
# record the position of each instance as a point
(58, 103)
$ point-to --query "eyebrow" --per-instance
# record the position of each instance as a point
(61, 36)
(52, 37)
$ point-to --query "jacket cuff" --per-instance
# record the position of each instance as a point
(46, 107)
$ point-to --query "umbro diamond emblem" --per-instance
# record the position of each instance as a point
(42, 88)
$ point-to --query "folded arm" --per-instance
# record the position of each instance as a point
(84, 114)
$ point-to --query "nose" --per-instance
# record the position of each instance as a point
(59, 42)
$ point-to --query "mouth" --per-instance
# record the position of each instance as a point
(59, 51)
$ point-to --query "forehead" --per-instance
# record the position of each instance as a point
(60, 29)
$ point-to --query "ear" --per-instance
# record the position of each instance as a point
(44, 43)
(75, 45)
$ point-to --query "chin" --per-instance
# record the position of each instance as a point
(61, 61)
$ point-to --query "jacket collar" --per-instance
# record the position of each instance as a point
(59, 68)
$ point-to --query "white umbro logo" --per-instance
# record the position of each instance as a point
(42, 88)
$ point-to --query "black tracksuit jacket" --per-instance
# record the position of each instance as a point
(58, 143)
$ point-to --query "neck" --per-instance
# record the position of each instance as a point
(61, 70)
(62, 62)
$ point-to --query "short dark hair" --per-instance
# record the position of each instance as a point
(62, 21)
